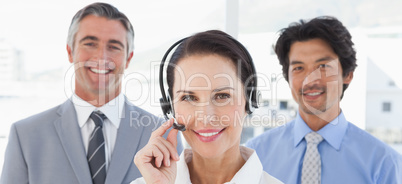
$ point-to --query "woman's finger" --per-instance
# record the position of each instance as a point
(166, 149)
(158, 155)
(162, 129)
(148, 154)
(172, 139)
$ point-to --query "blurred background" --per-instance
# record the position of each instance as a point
(35, 74)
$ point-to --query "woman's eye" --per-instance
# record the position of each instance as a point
(188, 98)
(221, 99)
(222, 96)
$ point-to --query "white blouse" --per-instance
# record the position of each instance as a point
(251, 172)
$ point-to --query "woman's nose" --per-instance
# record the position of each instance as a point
(206, 113)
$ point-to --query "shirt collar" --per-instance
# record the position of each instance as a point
(112, 110)
(252, 164)
(333, 132)
(242, 176)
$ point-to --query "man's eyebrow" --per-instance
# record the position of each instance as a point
(295, 62)
(221, 89)
(93, 38)
(116, 42)
(328, 58)
(185, 91)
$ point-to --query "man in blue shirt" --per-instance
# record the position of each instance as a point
(318, 61)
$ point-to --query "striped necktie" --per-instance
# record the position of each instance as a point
(311, 170)
(96, 150)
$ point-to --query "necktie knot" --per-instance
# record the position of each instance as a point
(313, 137)
(98, 117)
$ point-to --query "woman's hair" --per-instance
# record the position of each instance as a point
(326, 28)
(215, 42)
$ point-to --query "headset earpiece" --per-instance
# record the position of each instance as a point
(257, 102)
(253, 100)
(165, 105)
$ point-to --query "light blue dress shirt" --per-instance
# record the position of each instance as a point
(348, 154)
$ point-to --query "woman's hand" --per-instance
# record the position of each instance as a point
(157, 160)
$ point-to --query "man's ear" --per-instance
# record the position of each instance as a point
(130, 56)
(70, 53)
(348, 78)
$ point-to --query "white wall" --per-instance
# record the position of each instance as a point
(382, 69)
(376, 118)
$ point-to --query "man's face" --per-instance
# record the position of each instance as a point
(100, 57)
(315, 77)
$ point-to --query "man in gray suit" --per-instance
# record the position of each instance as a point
(57, 146)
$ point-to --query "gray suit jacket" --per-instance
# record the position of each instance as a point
(47, 147)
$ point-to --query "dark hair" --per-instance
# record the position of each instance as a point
(326, 28)
(102, 10)
(214, 42)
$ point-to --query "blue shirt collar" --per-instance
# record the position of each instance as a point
(333, 132)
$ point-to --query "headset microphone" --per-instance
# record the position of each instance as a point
(178, 126)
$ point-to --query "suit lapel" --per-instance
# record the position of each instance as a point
(70, 137)
(127, 142)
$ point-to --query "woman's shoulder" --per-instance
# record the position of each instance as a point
(254, 163)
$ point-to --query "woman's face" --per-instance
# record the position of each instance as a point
(209, 99)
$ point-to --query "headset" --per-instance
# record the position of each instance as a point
(254, 96)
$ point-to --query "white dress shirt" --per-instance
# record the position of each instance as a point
(251, 172)
(112, 110)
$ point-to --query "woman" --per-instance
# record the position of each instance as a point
(210, 78)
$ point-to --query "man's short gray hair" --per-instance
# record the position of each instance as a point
(102, 10)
